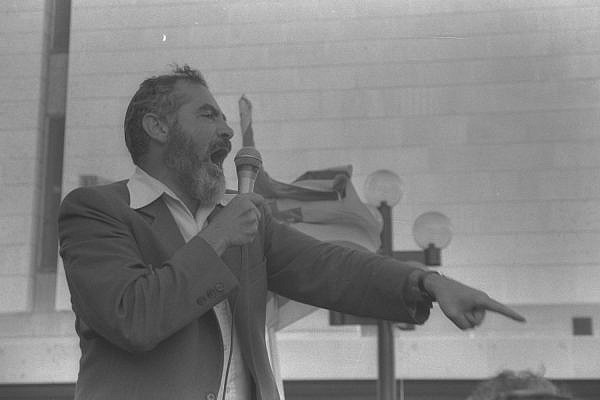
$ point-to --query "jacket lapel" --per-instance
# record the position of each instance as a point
(159, 217)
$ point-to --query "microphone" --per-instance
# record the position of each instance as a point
(247, 163)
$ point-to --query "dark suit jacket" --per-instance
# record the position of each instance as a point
(143, 298)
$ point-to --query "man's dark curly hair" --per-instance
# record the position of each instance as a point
(155, 95)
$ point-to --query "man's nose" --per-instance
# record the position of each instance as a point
(225, 132)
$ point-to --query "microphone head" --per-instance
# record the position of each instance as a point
(248, 157)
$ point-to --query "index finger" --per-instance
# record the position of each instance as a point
(495, 306)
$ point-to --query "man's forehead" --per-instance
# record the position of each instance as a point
(193, 92)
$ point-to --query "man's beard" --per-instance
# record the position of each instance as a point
(199, 178)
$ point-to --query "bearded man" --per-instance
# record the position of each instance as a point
(168, 305)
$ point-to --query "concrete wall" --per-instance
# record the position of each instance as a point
(488, 110)
(22, 62)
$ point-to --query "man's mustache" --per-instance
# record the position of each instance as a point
(222, 145)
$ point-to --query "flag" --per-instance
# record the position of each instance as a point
(323, 204)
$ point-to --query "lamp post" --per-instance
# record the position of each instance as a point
(432, 232)
(383, 189)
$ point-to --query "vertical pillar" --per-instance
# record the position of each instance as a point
(386, 383)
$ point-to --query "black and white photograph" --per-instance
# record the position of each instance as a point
(300, 199)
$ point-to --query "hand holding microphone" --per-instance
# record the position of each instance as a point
(237, 223)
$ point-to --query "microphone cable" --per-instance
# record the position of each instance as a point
(231, 342)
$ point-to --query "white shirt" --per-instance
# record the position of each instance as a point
(143, 190)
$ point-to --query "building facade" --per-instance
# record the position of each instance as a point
(488, 110)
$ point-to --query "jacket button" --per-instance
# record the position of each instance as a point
(211, 396)
(220, 287)
(210, 293)
(200, 301)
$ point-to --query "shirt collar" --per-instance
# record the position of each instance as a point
(144, 189)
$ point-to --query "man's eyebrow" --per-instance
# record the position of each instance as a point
(211, 108)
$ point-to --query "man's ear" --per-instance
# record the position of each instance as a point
(155, 127)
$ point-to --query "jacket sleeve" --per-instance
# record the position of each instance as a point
(338, 278)
(132, 304)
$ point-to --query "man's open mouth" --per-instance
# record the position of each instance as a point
(219, 152)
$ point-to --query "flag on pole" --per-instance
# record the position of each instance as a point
(321, 203)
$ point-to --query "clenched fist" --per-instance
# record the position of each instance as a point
(236, 224)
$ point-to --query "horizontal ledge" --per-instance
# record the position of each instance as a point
(34, 325)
